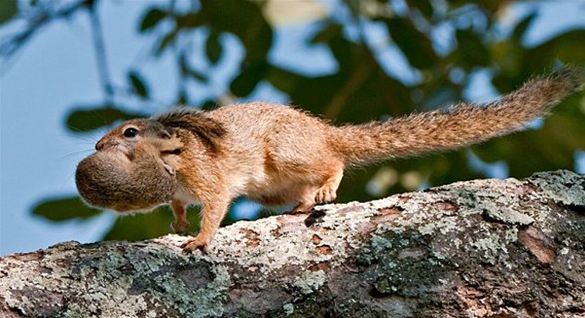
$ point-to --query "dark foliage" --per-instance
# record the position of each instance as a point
(360, 89)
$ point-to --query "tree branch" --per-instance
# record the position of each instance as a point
(480, 248)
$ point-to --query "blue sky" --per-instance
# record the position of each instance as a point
(57, 70)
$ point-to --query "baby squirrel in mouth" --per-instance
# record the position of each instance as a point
(279, 155)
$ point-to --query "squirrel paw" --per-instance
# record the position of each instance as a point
(197, 242)
(326, 194)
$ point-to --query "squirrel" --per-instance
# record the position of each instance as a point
(278, 155)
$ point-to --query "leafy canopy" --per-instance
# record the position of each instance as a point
(444, 44)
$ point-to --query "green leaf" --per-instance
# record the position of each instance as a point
(523, 26)
(209, 104)
(165, 41)
(143, 226)
(213, 47)
(187, 70)
(250, 76)
(151, 19)
(190, 20)
(154, 224)
(329, 32)
(568, 47)
(415, 45)
(471, 51)
(244, 19)
(63, 209)
(137, 83)
(424, 6)
(196, 75)
(492, 6)
(83, 119)
(283, 80)
(8, 9)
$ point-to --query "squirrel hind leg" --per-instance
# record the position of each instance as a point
(303, 207)
(328, 191)
(306, 200)
(181, 224)
(325, 193)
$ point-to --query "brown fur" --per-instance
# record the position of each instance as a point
(279, 155)
(112, 180)
(460, 125)
(121, 174)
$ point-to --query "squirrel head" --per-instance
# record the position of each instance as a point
(125, 137)
(132, 169)
(208, 131)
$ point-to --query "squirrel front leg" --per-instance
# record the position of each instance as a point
(215, 199)
(213, 211)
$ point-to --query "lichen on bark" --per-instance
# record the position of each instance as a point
(479, 248)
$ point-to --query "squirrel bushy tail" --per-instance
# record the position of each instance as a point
(457, 126)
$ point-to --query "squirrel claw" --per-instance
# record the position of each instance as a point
(195, 243)
(327, 193)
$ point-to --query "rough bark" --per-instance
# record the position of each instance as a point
(484, 248)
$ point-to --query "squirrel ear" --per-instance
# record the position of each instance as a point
(209, 130)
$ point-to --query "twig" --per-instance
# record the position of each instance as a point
(100, 51)
(12, 43)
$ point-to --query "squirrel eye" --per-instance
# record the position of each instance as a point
(130, 132)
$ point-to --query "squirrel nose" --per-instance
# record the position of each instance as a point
(99, 145)
(104, 144)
